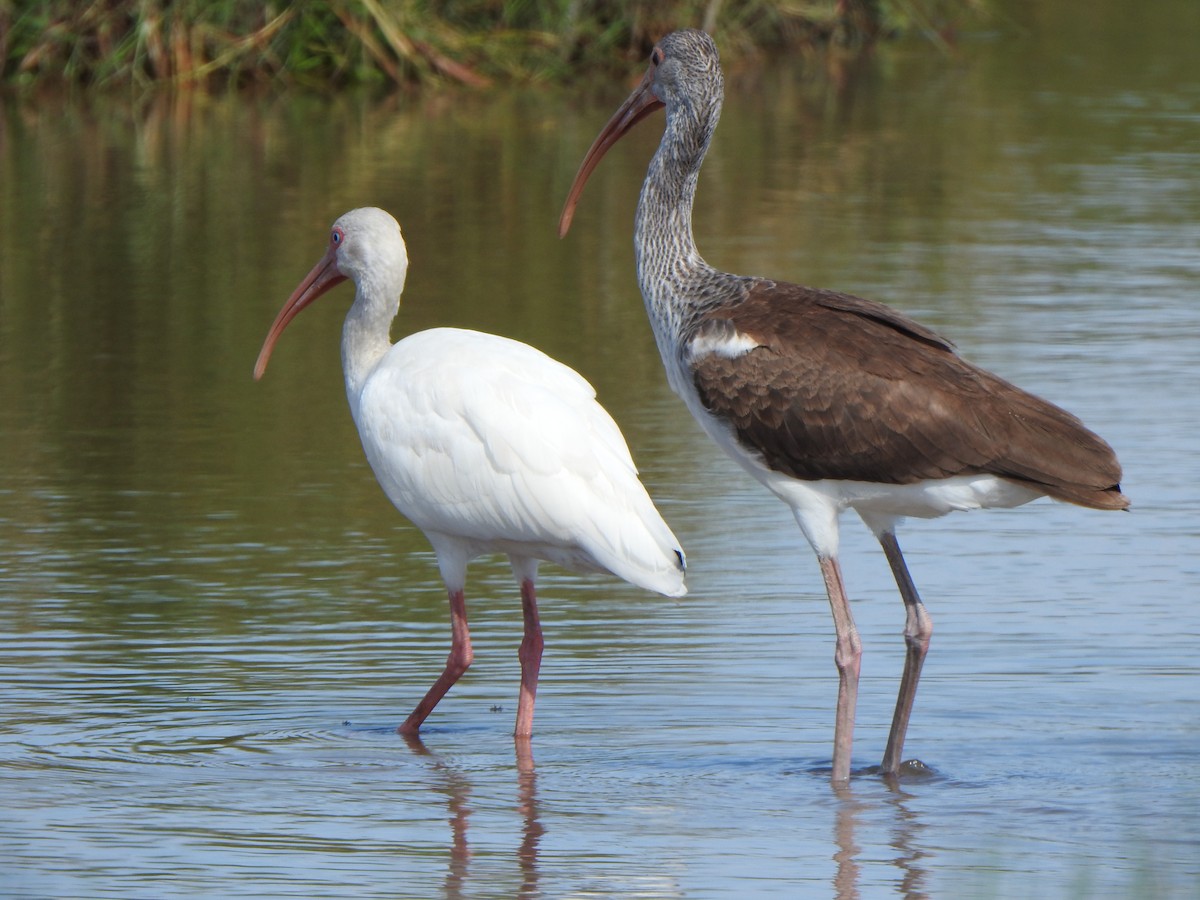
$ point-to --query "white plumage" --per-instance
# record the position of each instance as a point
(509, 450)
(486, 444)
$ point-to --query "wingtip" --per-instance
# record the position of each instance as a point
(679, 590)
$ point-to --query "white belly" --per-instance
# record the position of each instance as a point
(817, 504)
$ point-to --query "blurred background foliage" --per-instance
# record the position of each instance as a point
(413, 43)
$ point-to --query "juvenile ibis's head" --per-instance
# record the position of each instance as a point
(365, 246)
(685, 77)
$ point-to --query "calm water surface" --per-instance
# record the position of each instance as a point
(212, 620)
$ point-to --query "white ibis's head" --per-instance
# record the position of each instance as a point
(684, 76)
(365, 246)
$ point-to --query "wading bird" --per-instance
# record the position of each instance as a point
(487, 445)
(830, 400)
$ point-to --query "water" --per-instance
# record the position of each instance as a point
(212, 620)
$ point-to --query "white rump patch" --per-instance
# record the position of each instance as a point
(728, 343)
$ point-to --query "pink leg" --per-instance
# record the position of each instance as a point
(848, 658)
(530, 655)
(918, 628)
(456, 663)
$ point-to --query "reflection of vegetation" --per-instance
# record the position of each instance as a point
(474, 42)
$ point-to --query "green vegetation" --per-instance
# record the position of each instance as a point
(412, 42)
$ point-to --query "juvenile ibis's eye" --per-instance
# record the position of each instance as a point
(656, 57)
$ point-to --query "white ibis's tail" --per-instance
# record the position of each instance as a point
(643, 551)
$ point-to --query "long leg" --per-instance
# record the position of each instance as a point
(530, 654)
(848, 658)
(918, 628)
(456, 663)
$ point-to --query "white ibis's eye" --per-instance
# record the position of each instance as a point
(656, 57)
(336, 236)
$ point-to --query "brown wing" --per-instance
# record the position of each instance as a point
(845, 388)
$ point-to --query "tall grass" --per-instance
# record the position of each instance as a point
(410, 42)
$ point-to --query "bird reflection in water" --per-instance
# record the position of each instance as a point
(527, 853)
(854, 812)
(457, 788)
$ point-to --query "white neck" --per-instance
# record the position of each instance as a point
(366, 334)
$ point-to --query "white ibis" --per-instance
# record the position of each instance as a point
(487, 445)
(830, 400)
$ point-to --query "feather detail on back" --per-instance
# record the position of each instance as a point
(838, 387)
(548, 467)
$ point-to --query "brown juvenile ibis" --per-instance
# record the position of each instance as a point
(830, 400)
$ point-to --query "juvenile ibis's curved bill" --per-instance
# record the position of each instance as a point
(324, 275)
(640, 104)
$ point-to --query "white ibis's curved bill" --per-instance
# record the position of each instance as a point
(324, 275)
(640, 104)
